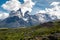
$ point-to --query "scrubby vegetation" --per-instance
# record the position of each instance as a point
(46, 31)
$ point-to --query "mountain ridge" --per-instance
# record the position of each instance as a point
(17, 19)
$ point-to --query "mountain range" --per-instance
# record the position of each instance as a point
(16, 19)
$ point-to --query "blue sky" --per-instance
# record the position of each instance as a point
(1, 2)
(39, 5)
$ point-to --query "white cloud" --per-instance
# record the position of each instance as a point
(3, 15)
(42, 11)
(55, 3)
(27, 6)
(11, 5)
(15, 5)
(54, 10)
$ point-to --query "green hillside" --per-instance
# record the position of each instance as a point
(45, 31)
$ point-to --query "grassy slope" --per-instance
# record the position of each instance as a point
(34, 33)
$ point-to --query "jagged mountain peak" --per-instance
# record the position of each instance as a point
(16, 19)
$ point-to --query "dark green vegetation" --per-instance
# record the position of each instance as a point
(46, 31)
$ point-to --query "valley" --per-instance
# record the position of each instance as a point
(40, 32)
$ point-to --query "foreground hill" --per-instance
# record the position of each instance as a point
(45, 31)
